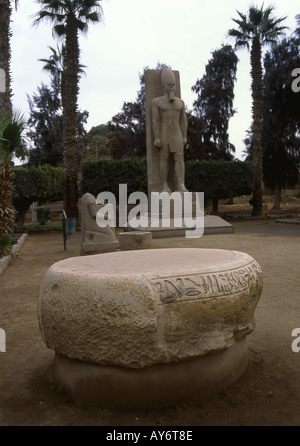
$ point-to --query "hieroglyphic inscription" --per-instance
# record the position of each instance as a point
(205, 286)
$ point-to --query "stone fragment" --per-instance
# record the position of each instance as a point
(93, 238)
(133, 240)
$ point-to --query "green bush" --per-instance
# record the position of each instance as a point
(217, 179)
(43, 214)
(106, 175)
(44, 183)
(6, 242)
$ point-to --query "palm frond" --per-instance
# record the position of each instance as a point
(12, 126)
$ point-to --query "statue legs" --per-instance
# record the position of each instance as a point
(164, 170)
(179, 173)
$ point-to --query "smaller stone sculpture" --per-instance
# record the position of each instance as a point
(94, 240)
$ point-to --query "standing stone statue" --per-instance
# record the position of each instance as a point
(170, 133)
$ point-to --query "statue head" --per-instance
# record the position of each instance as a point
(168, 82)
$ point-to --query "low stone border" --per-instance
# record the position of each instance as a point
(295, 221)
(263, 217)
(4, 261)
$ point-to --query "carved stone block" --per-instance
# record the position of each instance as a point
(134, 311)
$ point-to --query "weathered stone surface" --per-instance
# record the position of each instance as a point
(135, 240)
(166, 130)
(159, 385)
(93, 238)
(139, 308)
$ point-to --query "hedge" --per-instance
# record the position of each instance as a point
(43, 183)
(217, 179)
(106, 175)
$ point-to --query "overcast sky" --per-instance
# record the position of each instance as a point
(135, 34)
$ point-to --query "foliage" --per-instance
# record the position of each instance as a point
(96, 143)
(128, 127)
(12, 142)
(217, 179)
(6, 242)
(106, 175)
(45, 123)
(214, 105)
(12, 126)
(128, 132)
(281, 140)
(42, 213)
(46, 118)
(43, 184)
(195, 148)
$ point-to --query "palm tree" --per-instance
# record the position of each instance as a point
(257, 29)
(56, 66)
(12, 126)
(69, 17)
(6, 207)
(5, 53)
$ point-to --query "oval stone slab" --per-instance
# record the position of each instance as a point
(140, 308)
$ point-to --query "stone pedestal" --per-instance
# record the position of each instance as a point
(134, 240)
(164, 324)
(159, 385)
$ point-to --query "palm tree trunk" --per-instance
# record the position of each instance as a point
(7, 211)
(6, 208)
(5, 54)
(69, 102)
(257, 125)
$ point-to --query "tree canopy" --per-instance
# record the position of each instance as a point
(214, 104)
(281, 140)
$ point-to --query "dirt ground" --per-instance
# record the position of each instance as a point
(267, 394)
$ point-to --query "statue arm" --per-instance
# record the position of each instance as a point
(156, 123)
(183, 123)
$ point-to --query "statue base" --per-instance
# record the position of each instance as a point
(212, 225)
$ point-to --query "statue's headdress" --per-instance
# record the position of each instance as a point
(167, 75)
